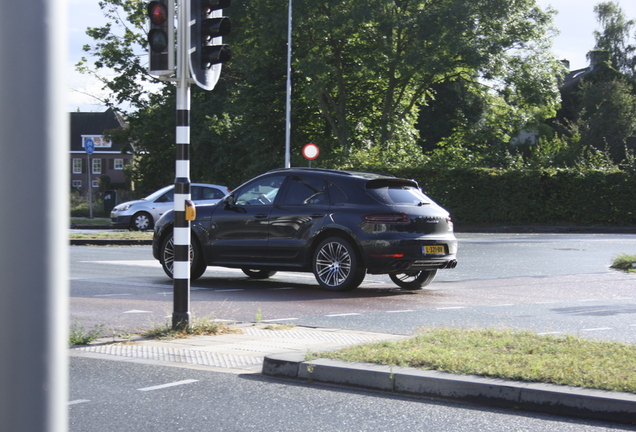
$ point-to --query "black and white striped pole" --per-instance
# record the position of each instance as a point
(181, 232)
(200, 52)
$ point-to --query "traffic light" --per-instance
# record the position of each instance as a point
(207, 52)
(161, 37)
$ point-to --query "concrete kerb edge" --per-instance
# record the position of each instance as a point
(552, 399)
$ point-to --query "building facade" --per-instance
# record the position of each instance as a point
(107, 162)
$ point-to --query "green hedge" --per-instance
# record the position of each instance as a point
(525, 197)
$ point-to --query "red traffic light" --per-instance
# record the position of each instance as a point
(160, 37)
(157, 12)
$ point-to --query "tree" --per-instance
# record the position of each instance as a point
(615, 36)
(119, 53)
(607, 116)
(369, 65)
(362, 70)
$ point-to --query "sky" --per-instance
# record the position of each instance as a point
(575, 20)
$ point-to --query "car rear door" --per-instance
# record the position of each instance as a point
(296, 218)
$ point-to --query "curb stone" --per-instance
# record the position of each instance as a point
(552, 399)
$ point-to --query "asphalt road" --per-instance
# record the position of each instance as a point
(542, 282)
(548, 283)
(121, 396)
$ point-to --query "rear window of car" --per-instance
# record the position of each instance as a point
(395, 193)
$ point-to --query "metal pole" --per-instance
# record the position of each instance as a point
(289, 87)
(181, 269)
(34, 174)
(90, 186)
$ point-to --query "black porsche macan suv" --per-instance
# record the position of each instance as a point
(340, 225)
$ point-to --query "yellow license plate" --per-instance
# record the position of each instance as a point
(433, 250)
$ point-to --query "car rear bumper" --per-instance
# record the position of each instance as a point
(396, 256)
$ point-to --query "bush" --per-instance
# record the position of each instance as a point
(530, 196)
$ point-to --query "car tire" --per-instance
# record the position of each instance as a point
(336, 265)
(258, 274)
(141, 221)
(413, 280)
(197, 265)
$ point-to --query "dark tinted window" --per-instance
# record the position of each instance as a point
(306, 191)
(206, 193)
(337, 195)
(399, 195)
(167, 197)
(260, 192)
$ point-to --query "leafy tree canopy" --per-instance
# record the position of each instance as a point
(361, 71)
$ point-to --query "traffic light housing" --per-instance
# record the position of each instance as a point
(207, 52)
(161, 46)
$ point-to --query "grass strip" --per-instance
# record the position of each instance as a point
(114, 235)
(507, 354)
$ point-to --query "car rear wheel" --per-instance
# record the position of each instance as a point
(336, 265)
(197, 265)
(258, 274)
(141, 221)
(413, 280)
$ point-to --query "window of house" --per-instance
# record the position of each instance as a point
(77, 166)
(97, 166)
(95, 183)
(77, 183)
(119, 164)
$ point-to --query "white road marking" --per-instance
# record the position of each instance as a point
(78, 401)
(163, 386)
(451, 307)
(341, 315)
(400, 311)
(597, 329)
(280, 319)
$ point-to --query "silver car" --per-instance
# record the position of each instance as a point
(142, 214)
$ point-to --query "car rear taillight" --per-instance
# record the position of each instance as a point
(386, 218)
(449, 222)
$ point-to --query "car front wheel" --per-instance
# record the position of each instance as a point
(413, 280)
(141, 222)
(197, 265)
(336, 265)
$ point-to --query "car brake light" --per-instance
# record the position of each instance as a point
(386, 218)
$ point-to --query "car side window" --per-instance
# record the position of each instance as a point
(206, 193)
(261, 192)
(306, 191)
(167, 197)
(336, 195)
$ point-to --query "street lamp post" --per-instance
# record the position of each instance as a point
(288, 98)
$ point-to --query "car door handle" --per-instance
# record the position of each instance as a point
(317, 215)
(260, 216)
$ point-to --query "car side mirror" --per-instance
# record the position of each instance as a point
(229, 200)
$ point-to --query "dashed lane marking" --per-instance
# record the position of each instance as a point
(172, 384)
